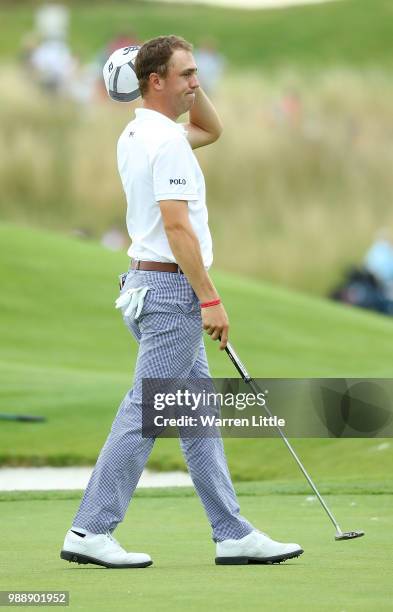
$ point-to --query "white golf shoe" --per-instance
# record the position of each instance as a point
(100, 549)
(256, 547)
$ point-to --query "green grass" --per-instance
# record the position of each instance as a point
(293, 184)
(65, 354)
(333, 486)
(330, 575)
(353, 32)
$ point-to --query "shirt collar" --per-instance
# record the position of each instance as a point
(148, 113)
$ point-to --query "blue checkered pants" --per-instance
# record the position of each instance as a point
(169, 333)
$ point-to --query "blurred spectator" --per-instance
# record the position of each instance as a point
(45, 50)
(371, 286)
(47, 58)
(361, 288)
(291, 106)
(121, 40)
(52, 64)
(52, 21)
(210, 65)
(379, 260)
(287, 109)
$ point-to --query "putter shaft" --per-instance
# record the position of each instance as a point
(247, 379)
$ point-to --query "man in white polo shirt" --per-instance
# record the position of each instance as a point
(167, 300)
(156, 164)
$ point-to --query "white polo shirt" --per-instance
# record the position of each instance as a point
(156, 162)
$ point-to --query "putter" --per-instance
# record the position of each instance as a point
(340, 535)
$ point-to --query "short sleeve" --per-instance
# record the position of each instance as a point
(174, 171)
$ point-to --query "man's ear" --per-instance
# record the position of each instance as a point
(156, 82)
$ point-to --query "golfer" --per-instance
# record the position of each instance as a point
(168, 299)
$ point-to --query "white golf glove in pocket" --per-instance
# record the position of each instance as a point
(132, 301)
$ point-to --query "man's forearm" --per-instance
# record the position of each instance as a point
(187, 252)
(204, 116)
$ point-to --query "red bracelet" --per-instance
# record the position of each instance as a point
(212, 303)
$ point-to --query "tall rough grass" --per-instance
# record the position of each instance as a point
(297, 185)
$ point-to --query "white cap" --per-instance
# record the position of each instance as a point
(119, 75)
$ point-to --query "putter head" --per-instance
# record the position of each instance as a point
(349, 535)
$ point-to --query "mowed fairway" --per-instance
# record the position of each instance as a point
(170, 525)
(65, 354)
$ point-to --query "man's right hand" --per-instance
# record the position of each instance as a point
(216, 324)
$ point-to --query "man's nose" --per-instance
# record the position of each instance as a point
(194, 81)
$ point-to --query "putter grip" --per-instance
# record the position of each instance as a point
(237, 363)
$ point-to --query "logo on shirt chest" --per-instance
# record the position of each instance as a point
(177, 181)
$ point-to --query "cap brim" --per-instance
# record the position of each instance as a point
(124, 97)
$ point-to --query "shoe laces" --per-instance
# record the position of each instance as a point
(111, 538)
